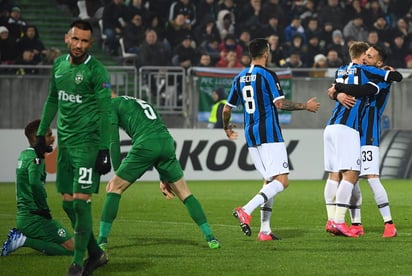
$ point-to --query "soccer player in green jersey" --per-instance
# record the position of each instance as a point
(153, 146)
(35, 227)
(80, 94)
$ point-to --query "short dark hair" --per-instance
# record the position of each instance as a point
(258, 46)
(82, 25)
(31, 129)
(381, 52)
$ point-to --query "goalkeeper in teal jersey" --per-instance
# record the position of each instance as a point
(153, 146)
(35, 227)
(80, 95)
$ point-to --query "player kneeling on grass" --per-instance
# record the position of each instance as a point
(35, 226)
(153, 146)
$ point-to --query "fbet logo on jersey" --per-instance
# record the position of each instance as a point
(63, 96)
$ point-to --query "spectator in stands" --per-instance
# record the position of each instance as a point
(375, 12)
(319, 62)
(205, 60)
(312, 49)
(158, 25)
(296, 46)
(206, 10)
(31, 42)
(229, 60)
(8, 47)
(231, 6)
(134, 34)
(27, 58)
(338, 44)
(383, 30)
(230, 44)
(16, 24)
(250, 16)
(332, 13)
(153, 52)
(244, 40)
(399, 50)
(373, 40)
(276, 51)
(211, 47)
(273, 9)
(225, 23)
(245, 59)
(5, 7)
(114, 20)
(309, 12)
(271, 26)
(408, 63)
(325, 37)
(138, 7)
(185, 54)
(206, 32)
(356, 29)
(354, 10)
(294, 27)
(188, 9)
(160, 8)
(175, 31)
(334, 61)
(402, 26)
(312, 28)
(293, 61)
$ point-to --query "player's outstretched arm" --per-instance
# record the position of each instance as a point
(230, 133)
(311, 105)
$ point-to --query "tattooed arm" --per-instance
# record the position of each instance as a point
(311, 105)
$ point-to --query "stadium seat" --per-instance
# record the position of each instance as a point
(126, 57)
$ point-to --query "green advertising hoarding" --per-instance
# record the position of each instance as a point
(208, 79)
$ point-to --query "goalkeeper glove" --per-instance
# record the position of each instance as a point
(102, 164)
(43, 213)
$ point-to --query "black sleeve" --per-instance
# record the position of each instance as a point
(356, 90)
(395, 76)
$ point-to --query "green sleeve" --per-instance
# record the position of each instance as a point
(103, 98)
(114, 142)
(37, 185)
(49, 109)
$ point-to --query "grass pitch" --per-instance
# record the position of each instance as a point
(155, 236)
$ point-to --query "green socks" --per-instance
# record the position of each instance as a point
(196, 213)
(48, 248)
(109, 213)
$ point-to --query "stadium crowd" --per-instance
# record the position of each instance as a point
(215, 33)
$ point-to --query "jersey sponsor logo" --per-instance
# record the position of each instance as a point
(63, 96)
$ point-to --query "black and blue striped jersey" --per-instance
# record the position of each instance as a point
(355, 74)
(257, 88)
(371, 118)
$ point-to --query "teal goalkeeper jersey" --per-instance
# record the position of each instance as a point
(30, 179)
(80, 95)
(138, 119)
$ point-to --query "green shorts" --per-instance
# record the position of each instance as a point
(158, 152)
(37, 227)
(75, 170)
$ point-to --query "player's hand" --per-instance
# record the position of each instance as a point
(102, 163)
(346, 100)
(43, 213)
(312, 105)
(331, 91)
(230, 133)
(166, 190)
(40, 147)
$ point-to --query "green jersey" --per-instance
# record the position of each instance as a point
(80, 94)
(30, 179)
(138, 119)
